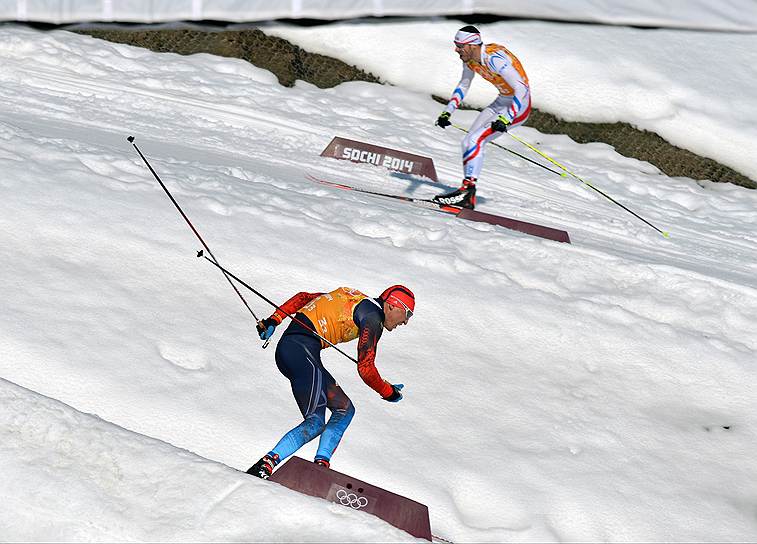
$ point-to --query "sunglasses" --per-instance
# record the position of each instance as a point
(408, 311)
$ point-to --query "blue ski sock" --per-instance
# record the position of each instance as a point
(333, 432)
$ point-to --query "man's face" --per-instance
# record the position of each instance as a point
(468, 52)
(394, 316)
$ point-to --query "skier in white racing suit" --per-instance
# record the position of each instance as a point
(512, 107)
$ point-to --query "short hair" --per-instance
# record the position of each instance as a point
(471, 29)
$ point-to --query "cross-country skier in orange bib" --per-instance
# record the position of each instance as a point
(339, 316)
(512, 107)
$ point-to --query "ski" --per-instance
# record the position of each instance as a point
(422, 202)
(461, 213)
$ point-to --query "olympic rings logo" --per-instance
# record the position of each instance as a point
(351, 499)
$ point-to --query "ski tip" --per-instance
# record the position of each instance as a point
(130, 139)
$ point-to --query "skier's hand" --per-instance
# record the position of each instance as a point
(500, 124)
(266, 328)
(396, 395)
(443, 120)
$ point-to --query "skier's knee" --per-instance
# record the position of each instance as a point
(349, 413)
(337, 399)
(314, 424)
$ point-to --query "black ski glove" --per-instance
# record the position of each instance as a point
(396, 395)
(443, 120)
(266, 328)
(500, 124)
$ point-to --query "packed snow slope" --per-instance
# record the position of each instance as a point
(597, 391)
(70, 476)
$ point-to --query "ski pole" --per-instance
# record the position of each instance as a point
(191, 226)
(608, 197)
(565, 172)
(262, 296)
(495, 144)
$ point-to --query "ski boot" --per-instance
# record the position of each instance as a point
(264, 467)
(463, 197)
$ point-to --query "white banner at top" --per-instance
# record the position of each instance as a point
(731, 15)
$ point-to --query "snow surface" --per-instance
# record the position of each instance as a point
(696, 89)
(598, 391)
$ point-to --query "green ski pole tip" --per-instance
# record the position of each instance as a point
(666, 234)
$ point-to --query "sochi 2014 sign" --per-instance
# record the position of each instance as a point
(399, 161)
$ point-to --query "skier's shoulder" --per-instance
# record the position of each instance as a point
(496, 56)
(368, 313)
(348, 292)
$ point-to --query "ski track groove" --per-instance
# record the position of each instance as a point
(220, 499)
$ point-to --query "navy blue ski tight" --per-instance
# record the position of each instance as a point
(298, 357)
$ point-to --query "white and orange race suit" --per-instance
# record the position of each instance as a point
(502, 69)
